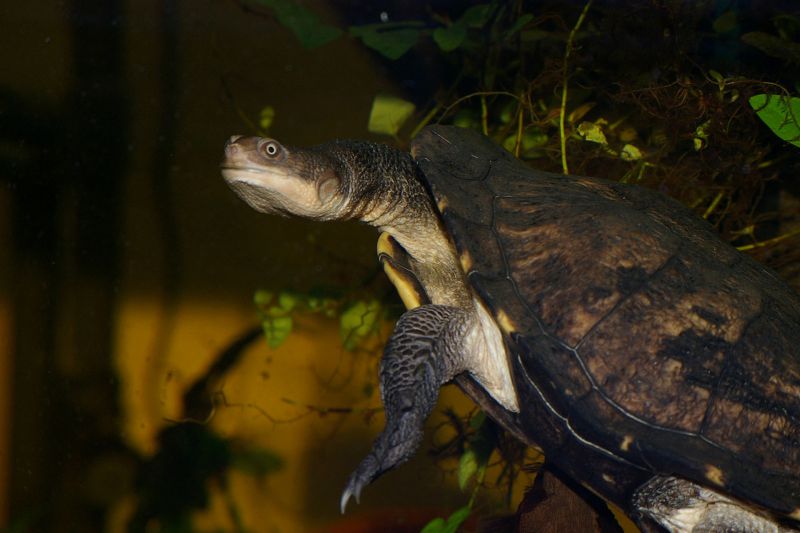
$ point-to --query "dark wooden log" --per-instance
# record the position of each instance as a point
(555, 504)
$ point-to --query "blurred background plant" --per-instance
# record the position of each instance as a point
(648, 103)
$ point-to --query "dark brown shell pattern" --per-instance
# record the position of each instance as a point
(661, 345)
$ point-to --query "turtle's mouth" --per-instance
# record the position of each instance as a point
(248, 188)
(252, 175)
(233, 173)
(274, 191)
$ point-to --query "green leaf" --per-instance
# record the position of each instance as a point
(700, 139)
(630, 153)
(283, 306)
(467, 118)
(483, 444)
(449, 38)
(531, 139)
(434, 526)
(477, 420)
(276, 329)
(773, 46)
(477, 16)
(262, 298)
(287, 301)
(467, 467)
(388, 114)
(305, 24)
(358, 321)
(519, 24)
(265, 117)
(726, 22)
(454, 521)
(592, 132)
(480, 446)
(780, 113)
(390, 40)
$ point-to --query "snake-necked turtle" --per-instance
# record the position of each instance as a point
(603, 322)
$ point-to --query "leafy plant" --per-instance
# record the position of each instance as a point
(358, 319)
(472, 464)
(304, 23)
(780, 113)
(390, 39)
(175, 481)
(388, 114)
(450, 524)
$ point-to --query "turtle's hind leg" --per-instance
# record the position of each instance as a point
(678, 505)
(418, 358)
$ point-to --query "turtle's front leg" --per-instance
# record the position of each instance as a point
(422, 354)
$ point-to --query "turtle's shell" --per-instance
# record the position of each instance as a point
(639, 341)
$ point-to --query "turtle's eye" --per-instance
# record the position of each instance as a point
(270, 149)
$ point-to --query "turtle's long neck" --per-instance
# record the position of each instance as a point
(380, 183)
(384, 189)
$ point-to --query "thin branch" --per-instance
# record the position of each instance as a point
(562, 114)
(768, 242)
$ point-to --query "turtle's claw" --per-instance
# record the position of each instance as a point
(363, 476)
(349, 491)
(398, 442)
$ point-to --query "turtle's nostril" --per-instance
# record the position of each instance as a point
(231, 145)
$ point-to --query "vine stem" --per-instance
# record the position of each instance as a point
(714, 204)
(520, 129)
(563, 113)
(424, 122)
(768, 242)
(473, 95)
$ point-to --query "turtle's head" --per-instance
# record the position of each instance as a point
(273, 178)
(337, 180)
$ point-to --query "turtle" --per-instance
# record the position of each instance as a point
(602, 322)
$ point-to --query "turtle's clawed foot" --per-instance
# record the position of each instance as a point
(398, 442)
(413, 367)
